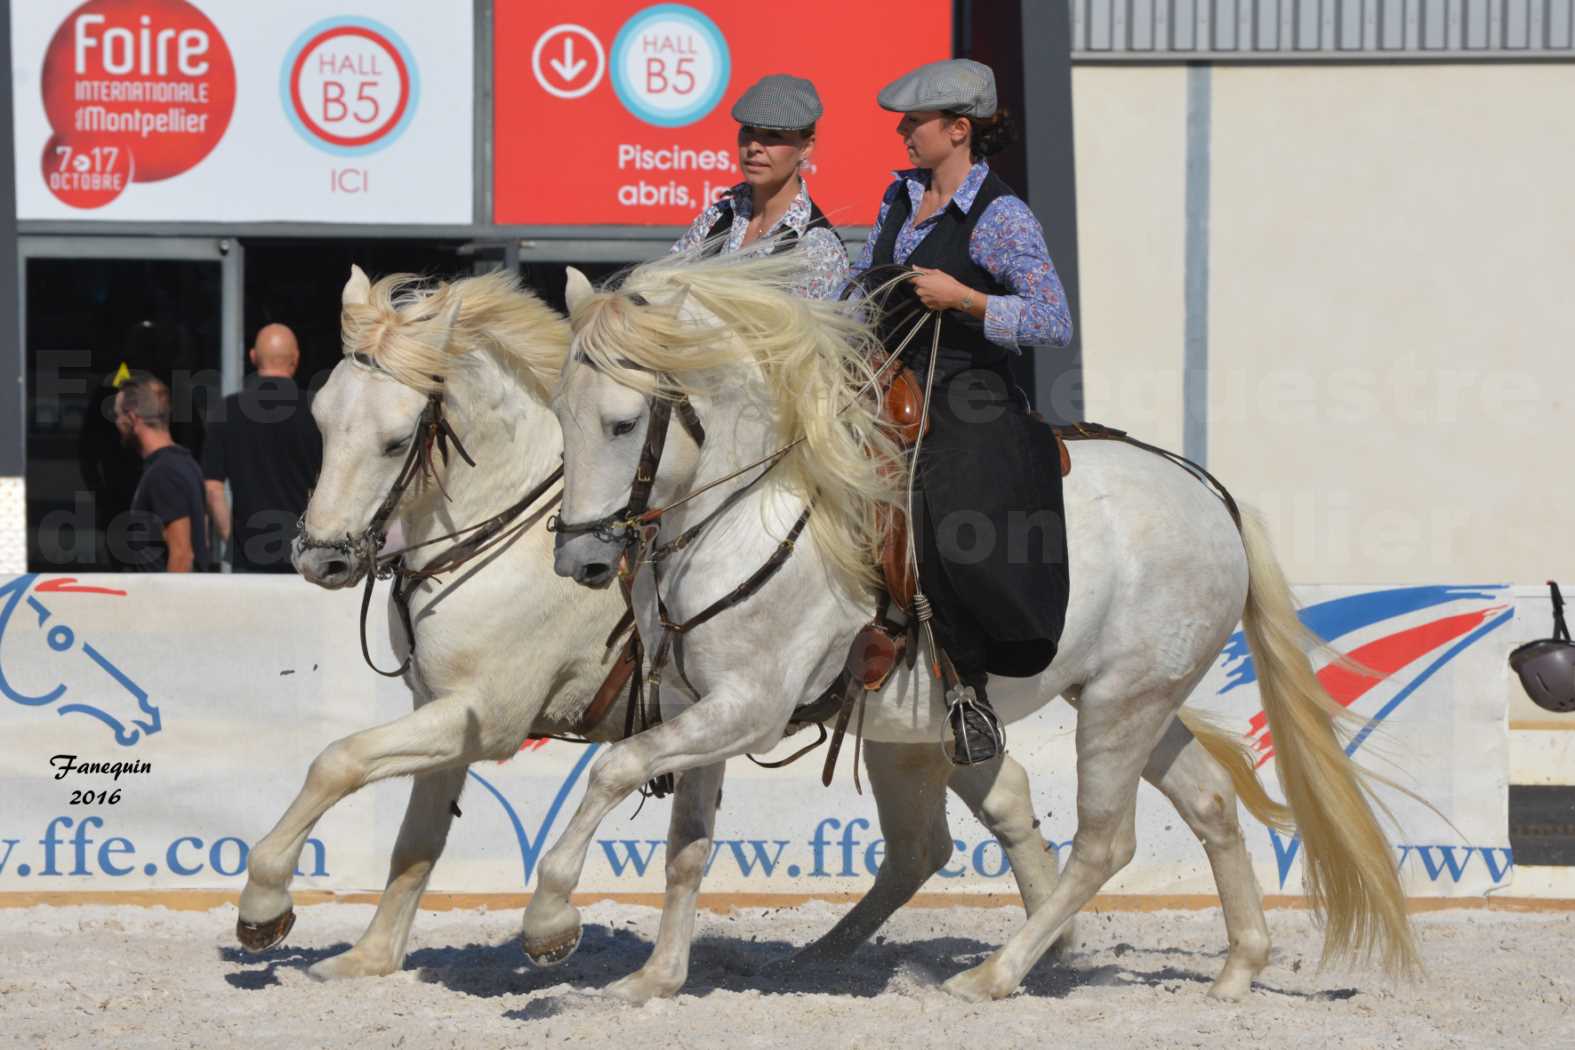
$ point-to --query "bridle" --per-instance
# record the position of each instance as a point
(432, 432)
(626, 523)
(634, 526)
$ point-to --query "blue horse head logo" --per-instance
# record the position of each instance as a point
(22, 614)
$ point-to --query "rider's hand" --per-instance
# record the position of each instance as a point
(939, 290)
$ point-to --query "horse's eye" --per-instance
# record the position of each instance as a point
(626, 427)
(394, 448)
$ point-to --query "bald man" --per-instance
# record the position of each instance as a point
(266, 445)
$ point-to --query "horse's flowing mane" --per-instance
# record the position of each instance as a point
(403, 323)
(815, 357)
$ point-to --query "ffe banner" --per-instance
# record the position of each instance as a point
(152, 728)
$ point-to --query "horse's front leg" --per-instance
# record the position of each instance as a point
(428, 816)
(724, 724)
(688, 851)
(439, 735)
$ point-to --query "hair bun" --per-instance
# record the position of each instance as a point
(992, 135)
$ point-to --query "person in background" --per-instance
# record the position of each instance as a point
(776, 137)
(266, 445)
(168, 526)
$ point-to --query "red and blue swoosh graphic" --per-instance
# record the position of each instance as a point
(1341, 617)
(1437, 640)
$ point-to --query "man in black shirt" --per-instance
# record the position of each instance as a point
(266, 445)
(168, 527)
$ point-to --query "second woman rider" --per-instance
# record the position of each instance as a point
(776, 136)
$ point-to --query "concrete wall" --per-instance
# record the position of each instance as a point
(1391, 261)
(1130, 141)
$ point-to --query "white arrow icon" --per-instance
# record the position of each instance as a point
(568, 67)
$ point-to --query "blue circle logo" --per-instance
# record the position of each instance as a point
(670, 65)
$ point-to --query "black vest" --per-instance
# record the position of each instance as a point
(789, 241)
(945, 247)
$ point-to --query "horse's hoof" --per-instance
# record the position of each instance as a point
(978, 985)
(549, 953)
(640, 987)
(1234, 984)
(260, 936)
(350, 964)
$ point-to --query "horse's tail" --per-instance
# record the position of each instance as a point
(1229, 750)
(1349, 871)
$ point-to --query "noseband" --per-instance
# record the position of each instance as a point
(432, 431)
(624, 523)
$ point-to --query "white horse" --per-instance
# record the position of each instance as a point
(1160, 576)
(501, 649)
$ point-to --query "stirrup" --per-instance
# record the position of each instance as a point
(977, 733)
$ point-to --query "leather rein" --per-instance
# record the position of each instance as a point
(432, 432)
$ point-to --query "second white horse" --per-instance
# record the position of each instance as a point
(1160, 576)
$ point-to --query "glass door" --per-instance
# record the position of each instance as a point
(94, 308)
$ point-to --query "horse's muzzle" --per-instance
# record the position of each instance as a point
(586, 559)
(329, 567)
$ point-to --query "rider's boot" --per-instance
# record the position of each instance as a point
(977, 733)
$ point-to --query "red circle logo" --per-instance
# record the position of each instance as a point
(349, 85)
(136, 91)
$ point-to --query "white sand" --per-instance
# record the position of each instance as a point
(128, 977)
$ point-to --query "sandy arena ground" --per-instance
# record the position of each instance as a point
(132, 977)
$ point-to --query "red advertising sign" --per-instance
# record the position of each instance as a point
(617, 111)
(135, 91)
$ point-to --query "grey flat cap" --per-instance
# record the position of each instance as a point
(958, 85)
(780, 102)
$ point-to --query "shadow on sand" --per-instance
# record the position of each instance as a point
(722, 963)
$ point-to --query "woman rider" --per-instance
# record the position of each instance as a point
(988, 514)
(776, 136)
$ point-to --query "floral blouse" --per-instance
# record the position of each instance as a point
(825, 259)
(1008, 242)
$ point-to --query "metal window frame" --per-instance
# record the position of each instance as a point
(226, 251)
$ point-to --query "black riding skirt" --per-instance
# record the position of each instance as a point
(990, 526)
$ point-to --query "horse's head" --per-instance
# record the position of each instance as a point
(607, 417)
(481, 351)
(724, 340)
(368, 420)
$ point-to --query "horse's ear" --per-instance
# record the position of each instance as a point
(358, 290)
(577, 290)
